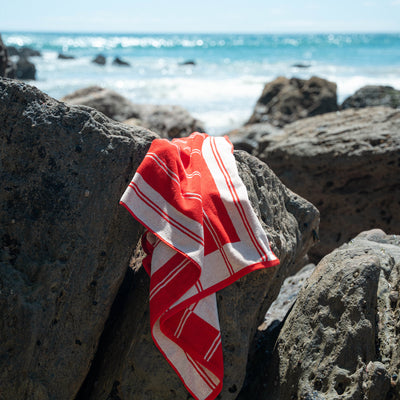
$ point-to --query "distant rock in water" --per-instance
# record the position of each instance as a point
(300, 65)
(99, 59)
(62, 56)
(26, 70)
(286, 100)
(120, 62)
(371, 95)
(188, 62)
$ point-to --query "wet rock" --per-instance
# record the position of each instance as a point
(188, 62)
(341, 338)
(369, 96)
(99, 60)
(286, 100)
(62, 56)
(65, 243)
(347, 165)
(131, 358)
(118, 61)
(166, 120)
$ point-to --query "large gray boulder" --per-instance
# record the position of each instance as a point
(132, 368)
(65, 241)
(341, 339)
(166, 120)
(372, 95)
(347, 165)
(286, 100)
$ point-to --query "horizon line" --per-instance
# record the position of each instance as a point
(156, 32)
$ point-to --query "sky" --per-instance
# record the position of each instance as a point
(151, 16)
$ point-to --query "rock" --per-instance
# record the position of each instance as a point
(11, 70)
(133, 368)
(62, 56)
(341, 338)
(268, 332)
(65, 243)
(347, 165)
(136, 122)
(250, 137)
(26, 70)
(122, 63)
(3, 58)
(188, 62)
(99, 59)
(108, 102)
(287, 296)
(301, 65)
(167, 121)
(23, 52)
(286, 100)
(26, 52)
(12, 51)
(369, 96)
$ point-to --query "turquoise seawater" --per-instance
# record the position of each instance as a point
(229, 73)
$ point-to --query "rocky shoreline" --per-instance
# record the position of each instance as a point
(323, 179)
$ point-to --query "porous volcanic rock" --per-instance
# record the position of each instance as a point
(286, 100)
(132, 367)
(166, 120)
(65, 242)
(341, 339)
(347, 165)
(369, 96)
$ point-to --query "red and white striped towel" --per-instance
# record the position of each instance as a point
(202, 235)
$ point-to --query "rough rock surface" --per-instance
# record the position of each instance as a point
(369, 96)
(167, 121)
(340, 340)
(132, 367)
(286, 100)
(65, 243)
(347, 165)
(249, 137)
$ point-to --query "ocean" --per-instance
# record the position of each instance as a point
(229, 71)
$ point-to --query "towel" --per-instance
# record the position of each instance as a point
(201, 235)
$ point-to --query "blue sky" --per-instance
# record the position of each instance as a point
(201, 16)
